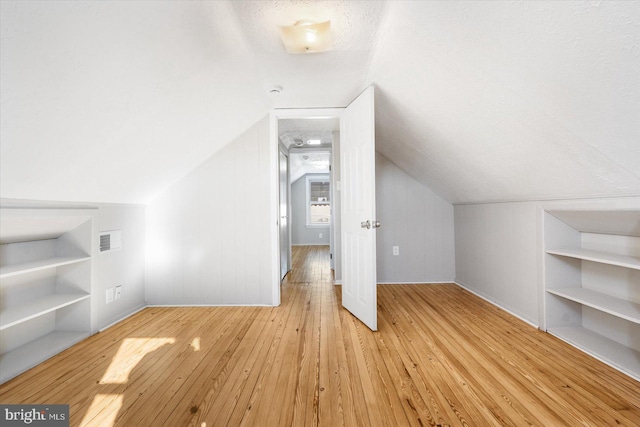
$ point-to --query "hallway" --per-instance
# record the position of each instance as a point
(310, 264)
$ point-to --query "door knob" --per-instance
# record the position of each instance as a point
(376, 224)
(365, 224)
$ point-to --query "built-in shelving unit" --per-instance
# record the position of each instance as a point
(598, 256)
(41, 264)
(46, 277)
(609, 351)
(615, 306)
(591, 273)
(39, 306)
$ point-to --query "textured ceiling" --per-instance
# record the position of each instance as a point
(481, 101)
(308, 159)
(498, 101)
(113, 101)
(330, 79)
(291, 131)
(302, 163)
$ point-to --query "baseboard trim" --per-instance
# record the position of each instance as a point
(209, 305)
(490, 301)
(135, 310)
(416, 283)
(140, 308)
(337, 282)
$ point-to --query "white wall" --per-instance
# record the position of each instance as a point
(496, 254)
(209, 234)
(300, 233)
(125, 267)
(418, 221)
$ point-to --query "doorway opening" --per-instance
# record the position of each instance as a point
(308, 201)
(353, 176)
(308, 205)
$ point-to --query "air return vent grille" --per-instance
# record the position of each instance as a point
(110, 241)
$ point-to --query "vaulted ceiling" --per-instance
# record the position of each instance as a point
(109, 101)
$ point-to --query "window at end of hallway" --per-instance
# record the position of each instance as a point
(318, 201)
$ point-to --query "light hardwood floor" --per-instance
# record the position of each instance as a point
(442, 357)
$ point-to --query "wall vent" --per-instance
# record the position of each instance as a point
(110, 241)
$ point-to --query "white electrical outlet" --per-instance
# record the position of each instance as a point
(320, 235)
(396, 250)
(118, 292)
(109, 295)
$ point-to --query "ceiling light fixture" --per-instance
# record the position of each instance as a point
(306, 37)
(314, 141)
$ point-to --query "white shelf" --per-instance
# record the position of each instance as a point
(597, 256)
(617, 355)
(615, 306)
(14, 315)
(36, 322)
(42, 264)
(37, 351)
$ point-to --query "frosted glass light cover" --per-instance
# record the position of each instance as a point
(306, 37)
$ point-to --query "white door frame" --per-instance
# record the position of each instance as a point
(274, 150)
(287, 190)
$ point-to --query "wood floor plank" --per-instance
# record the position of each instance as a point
(488, 396)
(329, 410)
(520, 366)
(139, 389)
(439, 409)
(442, 364)
(559, 382)
(441, 357)
(203, 371)
(174, 360)
(278, 369)
(349, 411)
(307, 389)
(218, 411)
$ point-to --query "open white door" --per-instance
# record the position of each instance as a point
(358, 206)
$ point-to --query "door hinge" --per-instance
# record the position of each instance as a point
(330, 256)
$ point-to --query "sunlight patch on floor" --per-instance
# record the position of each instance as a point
(130, 353)
(195, 344)
(103, 411)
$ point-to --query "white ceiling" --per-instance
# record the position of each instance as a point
(497, 101)
(302, 163)
(308, 158)
(294, 131)
(329, 79)
(111, 101)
